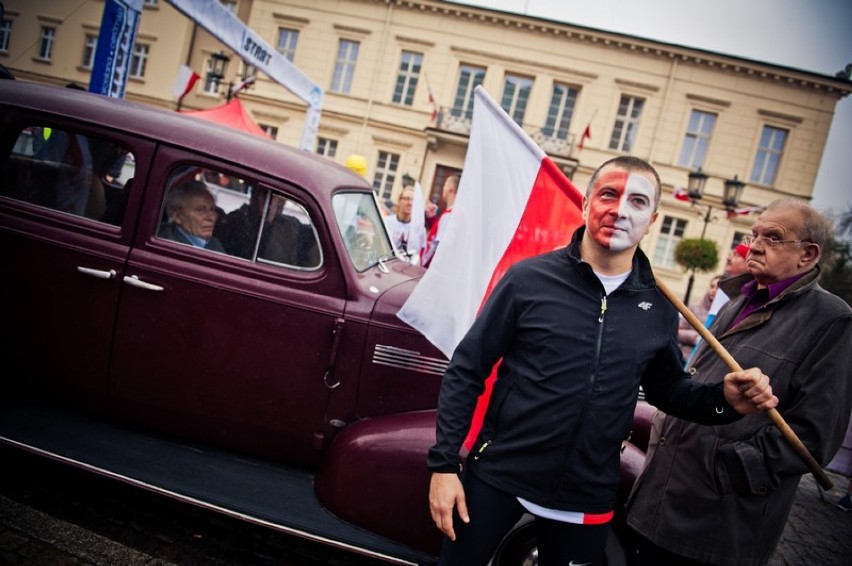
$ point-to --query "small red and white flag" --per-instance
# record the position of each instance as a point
(587, 135)
(513, 202)
(680, 193)
(431, 99)
(745, 211)
(185, 80)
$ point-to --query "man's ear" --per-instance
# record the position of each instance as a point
(810, 254)
(651, 223)
(585, 208)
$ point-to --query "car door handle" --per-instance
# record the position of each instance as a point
(99, 273)
(136, 282)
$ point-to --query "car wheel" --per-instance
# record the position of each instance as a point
(519, 548)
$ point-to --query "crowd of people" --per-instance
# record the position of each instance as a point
(576, 332)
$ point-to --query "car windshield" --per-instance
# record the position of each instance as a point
(360, 223)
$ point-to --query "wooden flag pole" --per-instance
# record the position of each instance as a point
(776, 418)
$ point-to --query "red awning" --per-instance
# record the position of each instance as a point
(232, 114)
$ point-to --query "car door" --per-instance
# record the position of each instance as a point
(229, 347)
(67, 212)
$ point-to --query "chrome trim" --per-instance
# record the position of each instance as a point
(409, 360)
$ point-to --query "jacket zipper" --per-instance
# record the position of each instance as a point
(584, 411)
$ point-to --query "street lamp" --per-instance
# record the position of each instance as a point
(733, 190)
(219, 64)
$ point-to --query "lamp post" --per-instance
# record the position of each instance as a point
(733, 189)
(219, 64)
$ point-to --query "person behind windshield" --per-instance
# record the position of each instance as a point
(191, 212)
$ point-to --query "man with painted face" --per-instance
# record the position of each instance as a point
(576, 332)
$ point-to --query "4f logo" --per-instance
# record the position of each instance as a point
(644, 305)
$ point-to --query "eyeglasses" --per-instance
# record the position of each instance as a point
(770, 241)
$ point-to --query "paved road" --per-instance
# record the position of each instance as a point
(53, 515)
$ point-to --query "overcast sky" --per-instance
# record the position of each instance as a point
(813, 35)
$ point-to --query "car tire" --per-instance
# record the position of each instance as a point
(519, 548)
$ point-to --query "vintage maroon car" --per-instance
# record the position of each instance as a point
(266, 376)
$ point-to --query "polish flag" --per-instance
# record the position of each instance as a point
(513, 202)
(680, 193)
(587, 135)
(745, 211)
(185, 80)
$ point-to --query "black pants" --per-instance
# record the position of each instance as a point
(643, 552)
(493, 513)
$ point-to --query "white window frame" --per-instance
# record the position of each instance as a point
(696, 141)
(138, 60)
(668, 239)
(767, 159)
(344, 65)
(326, 147)
(46, 40)
(558, 123)
(387, 167)
(410, 64)
(5, 35)
(626, 124)
(468, 79)
(288, 50)
(516, 96)
(90, 45)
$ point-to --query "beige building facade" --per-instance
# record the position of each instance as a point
(399, 77)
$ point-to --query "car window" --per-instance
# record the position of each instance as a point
(219, 212)
(69, 171)
(360, 223)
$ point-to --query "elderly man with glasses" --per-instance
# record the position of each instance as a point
(721, 495)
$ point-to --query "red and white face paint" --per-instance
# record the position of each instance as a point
(620, 209)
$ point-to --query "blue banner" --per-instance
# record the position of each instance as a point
(115, 47)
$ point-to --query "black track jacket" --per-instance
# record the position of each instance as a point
(572, 362)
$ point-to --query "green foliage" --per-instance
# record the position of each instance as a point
(697, 254)
(836, 265)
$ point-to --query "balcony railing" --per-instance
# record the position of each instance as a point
(458, 122)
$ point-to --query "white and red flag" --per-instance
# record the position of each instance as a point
(513, 202)
(587, 135)
(745, 211)
(185, 80)
(680, 193)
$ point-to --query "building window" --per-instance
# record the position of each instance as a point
(151, 3)
(626, 124)
(560, 111)
(697, 139)
(768, 155)
(469, 78)
(516, 94)
(287, 41)
(271, 130)
(45, 48)
(89, 51)
(138, 61)
(327, 147)
(385, 174)
(5, 35)
(344, 67)
(406, 80)
(230, 5)
(671, 234)
(211, 84)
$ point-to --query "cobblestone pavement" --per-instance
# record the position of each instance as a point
(53, 515)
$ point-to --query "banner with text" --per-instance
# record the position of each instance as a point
(253, 49)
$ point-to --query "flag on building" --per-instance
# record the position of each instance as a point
(680, 193)
(185, 80)
(587, 135)
(431, 99)
(513, 202)
(745, 211)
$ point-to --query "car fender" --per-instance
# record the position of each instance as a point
(374, 476)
